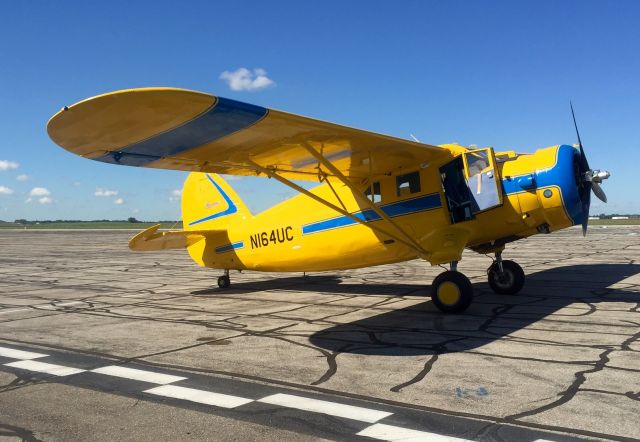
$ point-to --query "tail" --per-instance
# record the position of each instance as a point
(209, 203)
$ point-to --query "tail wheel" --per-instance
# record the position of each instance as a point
(451, 292)
(224, 282)
(508, 282)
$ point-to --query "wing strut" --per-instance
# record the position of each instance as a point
(362, 199)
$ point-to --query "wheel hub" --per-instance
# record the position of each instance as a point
(449, 293)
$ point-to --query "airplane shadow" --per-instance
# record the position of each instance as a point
(319, 284)
(421, 329)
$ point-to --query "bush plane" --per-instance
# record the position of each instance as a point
(380, 199)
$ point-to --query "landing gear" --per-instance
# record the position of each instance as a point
(505, 277)
(451, 291)
(224, 282)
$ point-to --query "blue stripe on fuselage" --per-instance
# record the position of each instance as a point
(420, 204)
(229, 247)
(224, 118)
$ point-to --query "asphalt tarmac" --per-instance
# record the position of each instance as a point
(100, 343)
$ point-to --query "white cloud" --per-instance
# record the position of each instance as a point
(45, 200)
(119, 201)
(28, 200)
(5, 191)
(136, 211)
(175, 195)
(105, 192)
(245, 80)
(22, 177)
(76, 183)
(8, 165)
(39, 191)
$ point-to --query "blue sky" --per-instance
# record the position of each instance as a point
(496, 73)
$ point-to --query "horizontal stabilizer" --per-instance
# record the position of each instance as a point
(151, 240)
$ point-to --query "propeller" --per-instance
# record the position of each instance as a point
(588, 180)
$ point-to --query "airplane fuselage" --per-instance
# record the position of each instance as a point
(536, 193)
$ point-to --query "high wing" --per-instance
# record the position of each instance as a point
(179, 129)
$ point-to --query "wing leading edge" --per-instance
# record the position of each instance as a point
(185, 130)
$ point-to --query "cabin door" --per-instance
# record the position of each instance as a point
(482, 179)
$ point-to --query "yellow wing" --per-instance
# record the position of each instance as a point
(179, 129)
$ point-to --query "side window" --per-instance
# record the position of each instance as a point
(408, 184)
(376, 196)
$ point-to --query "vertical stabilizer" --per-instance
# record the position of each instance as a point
(208, 202)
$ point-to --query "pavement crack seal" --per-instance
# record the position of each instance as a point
(420, 376)
(570, 392)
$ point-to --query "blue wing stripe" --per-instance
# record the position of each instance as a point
(224, 118)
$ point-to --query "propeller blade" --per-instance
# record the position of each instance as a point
(585, 224)
(597, 191)
(583, 157)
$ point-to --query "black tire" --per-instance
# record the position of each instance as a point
(451, 292)
(510, 281)
(224, 282)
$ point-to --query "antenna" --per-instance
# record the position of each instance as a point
(414, 138)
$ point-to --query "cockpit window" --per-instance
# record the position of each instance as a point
(408, 184)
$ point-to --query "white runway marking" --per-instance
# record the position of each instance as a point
(19, 354)
(200, 396)
(42, 367)
(138, 375)
(393, 433)
(325, 407)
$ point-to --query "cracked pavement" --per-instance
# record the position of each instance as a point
(563, 355)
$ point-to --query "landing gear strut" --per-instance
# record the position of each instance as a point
(224, 282)
(505, 277)
(451, 291)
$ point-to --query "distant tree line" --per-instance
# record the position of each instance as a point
(25, 222)
(611, 215)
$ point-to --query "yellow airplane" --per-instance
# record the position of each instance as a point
(380, 200)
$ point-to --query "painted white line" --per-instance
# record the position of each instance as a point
(200, 396)
(19, 354)
(325, 407)
(138, 375)
(393, 433)
(42, 367)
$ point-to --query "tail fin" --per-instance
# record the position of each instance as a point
(208, 203)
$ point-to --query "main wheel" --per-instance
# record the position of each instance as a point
(510, 281)
(224, 282)
(451, 292)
